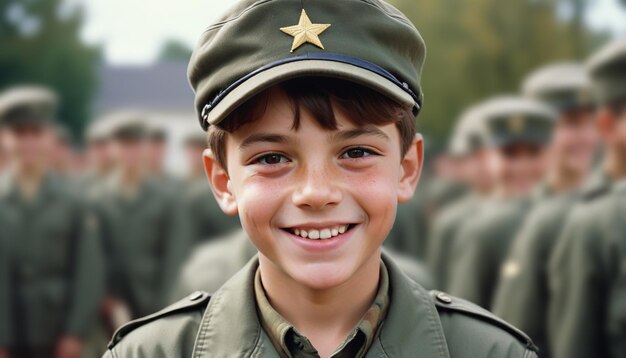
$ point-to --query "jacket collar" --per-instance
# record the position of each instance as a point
(230, 325)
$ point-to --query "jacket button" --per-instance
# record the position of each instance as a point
(196, 296)
(442, 297)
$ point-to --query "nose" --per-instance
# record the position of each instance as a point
(317, 189)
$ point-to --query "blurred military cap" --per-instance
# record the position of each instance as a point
(608, 71)
(27, 104)
(98, 131)
(127, 124)
(156, 130)
(511, 119)
(564, 86)
(467, 135)
(259, 43)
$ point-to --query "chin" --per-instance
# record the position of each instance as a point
(321, 276)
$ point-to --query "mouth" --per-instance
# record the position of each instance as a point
(320, 233)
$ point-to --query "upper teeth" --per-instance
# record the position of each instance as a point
(323, 234)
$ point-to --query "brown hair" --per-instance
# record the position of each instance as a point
(318, 95)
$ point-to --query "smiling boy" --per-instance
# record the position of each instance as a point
(313, 144)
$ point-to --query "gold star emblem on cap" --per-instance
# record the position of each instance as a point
(305, 31)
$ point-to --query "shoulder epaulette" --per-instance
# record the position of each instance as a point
(446, 302)
(193, 301)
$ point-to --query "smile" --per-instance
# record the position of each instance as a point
(320, 233)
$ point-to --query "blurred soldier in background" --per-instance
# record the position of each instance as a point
(142, 229)
(155, 155)
(587, 272)
(206, 219)
(517, 131)
(98, 156)
(467, 144)
(3, 155)
(523, 290)
(52, 270)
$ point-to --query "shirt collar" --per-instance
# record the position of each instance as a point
(290, 343)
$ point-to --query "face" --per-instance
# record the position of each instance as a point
(574, 142)
(516, 168)
(317, 203)
(99, 155)
(129, 154)
(29, 144)
(476, 173)
(156, 153)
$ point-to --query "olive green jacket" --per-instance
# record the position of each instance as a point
(227, 325)
(53, 269)
(146, 239)
(214, 262)
(482, 246)
(443, 233)
(587, 278)
(522, 294)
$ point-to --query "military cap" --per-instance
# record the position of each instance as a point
(98, 131)
(467, 135)
(126, 125)
(27, 104)
(156, 130)
(512, 119)
(608, 71)
(259, 43)
(564, 86)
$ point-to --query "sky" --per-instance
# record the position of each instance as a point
(133, 31)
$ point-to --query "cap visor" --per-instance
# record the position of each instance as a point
(306, 68)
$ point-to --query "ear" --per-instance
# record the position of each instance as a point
(220, 183)
(411, 166)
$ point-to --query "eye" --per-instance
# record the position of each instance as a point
(272, 159)
(356, 153)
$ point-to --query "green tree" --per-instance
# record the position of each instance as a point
(41, 45)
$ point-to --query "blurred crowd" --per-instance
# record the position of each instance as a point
(522, 214)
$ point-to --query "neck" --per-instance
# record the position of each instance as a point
(325, 316)
(29, 180)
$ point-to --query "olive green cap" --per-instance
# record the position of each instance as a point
(608, 71)
(126, 125)
(564, 86)
(260, 43)
(468, 135)
(27, 104)
(511, 119)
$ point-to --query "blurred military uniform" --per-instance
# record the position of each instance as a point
(523, 289)
(587, 271)
(156, 134)
(484, 241)
(408, 234)
(98, 133)
(466, 139)
(144, 232)
(53, 270)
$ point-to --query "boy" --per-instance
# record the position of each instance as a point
(586, 272)
(517, 131)
(523, 287)
(51, 266)
(312, 137)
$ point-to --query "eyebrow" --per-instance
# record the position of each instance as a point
(358, 132)
(262, 138)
